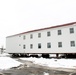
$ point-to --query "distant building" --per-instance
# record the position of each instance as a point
(1, 50)
(59, 39)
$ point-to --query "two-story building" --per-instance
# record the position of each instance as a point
(60, 39)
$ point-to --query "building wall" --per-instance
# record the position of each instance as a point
(15, 44)
(0, 51)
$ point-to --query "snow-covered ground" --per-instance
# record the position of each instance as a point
(7, 62)
(56, 63)
(4, 55)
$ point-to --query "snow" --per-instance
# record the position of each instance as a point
(4, 54)
(7, 63)
(46, 73)
(56, 63)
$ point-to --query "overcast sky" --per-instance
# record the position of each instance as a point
(18, 16)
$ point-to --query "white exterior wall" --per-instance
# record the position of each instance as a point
(0, 50)
(13, 42)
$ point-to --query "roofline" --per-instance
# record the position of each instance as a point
(62, 25)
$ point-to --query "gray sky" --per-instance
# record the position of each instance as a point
(18, 16)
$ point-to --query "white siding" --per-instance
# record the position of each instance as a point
(12, 43)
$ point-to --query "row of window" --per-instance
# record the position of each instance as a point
(71, 31)
(49, 34)
(72, 44)
(39, 46)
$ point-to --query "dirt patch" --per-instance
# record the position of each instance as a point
(31, 64)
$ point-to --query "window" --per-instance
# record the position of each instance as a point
(19, 35)
(31, 36)
(59, 44)
(59, 32)
(31, 46)
(71, 30)
(72, 43)
(24, 37)
(39, 45)
(48, 45)
(19, 44)
(24, 46)
(39, 35)
(48, 33)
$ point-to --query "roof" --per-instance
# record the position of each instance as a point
(68, 24)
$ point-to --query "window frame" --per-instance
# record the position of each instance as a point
(39, 45)
(71, 30)
(24, 46)
(48, 33)
(59, 44)
(39, 35)
(59, 32)
(24, 37)
(31, 36)
(48, 45)
(31, 46)
(72, 43)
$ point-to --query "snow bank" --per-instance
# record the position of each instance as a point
(57, 63)
(46, 73)
(7, 62)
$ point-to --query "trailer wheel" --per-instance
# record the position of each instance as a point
(15, 55)
(57, 55)
(45, 55)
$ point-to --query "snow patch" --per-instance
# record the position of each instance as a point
(7, 62)
(57, 63)
(4, 55)
(46, 73)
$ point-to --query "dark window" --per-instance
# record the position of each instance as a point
(24, 46)
(39, 35)
(31, 46)
(31, 36)
(48, 45)
(24, 37)
(71, 30)
(48, 33)
(59, 44)
(39, 45)
(72, 43)
(59, 32)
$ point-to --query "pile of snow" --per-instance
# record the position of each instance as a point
(57, 63)
(7, 63)
(46, 73)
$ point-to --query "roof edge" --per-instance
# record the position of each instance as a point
(61, 25)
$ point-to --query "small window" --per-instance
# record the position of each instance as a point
(19, 35)
(59, 32)
(71, 30)
(31, 36)
(39, 35)
(39, 45)
(48, 33)
(24, 37)
(59, 44)
(48, 45)
(19, 44)
(24, 46)
(31, 46)
(72, 43)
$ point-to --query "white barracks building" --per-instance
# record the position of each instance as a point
(59, 39)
